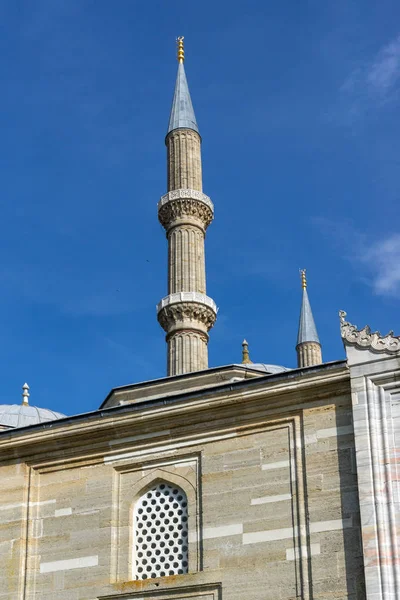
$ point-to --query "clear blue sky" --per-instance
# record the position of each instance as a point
(298, 107)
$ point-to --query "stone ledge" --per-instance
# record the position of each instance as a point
(179, 297)
(186, 194)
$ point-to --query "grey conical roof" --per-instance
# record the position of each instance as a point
(307, 329)
(182, 113)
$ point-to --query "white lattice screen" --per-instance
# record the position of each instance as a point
(161, 532)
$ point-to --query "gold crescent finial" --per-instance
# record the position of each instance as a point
(181, 50)
(245, 354)
(303, 279)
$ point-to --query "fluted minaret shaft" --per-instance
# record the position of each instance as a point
(184, 160)
(186, 314)
(309, 354)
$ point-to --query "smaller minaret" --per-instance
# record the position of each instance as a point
(308, 346)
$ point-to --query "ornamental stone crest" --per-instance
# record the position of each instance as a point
(365, 338)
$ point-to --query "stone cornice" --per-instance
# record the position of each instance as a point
(178, 204)
(367, 339)
(86, 437)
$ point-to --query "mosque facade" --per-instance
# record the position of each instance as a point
(248, 480)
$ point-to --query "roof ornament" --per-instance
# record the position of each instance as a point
(181, 49)
(303, 279)
(25, 394)
(245, 354)
(365, 338)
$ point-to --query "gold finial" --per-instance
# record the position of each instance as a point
(25, 394)
(181, 50)
(303, 278)
(245, 354)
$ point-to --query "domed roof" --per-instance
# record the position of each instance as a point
(23, 415)
(271, 369)
(263, 367)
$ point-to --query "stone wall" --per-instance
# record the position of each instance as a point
(374, 362)
(270, 478)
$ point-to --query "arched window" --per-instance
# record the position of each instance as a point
(161, 532)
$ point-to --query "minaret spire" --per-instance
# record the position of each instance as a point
(186, 314)
(182, 114)
(308, 346)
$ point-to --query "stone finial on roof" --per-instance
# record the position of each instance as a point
(182, 114)
(25, 394)
(245, 354)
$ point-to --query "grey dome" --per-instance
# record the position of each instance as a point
(270, 369)
(23, 415)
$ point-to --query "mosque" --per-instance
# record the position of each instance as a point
(245, 480)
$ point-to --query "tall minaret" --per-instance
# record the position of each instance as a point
(186, 314)
(308, 346)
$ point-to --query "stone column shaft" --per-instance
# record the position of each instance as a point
(186, 261)
(187, 351)
(184, 160)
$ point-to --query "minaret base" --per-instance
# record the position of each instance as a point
(308, 354)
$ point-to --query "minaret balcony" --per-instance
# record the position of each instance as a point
(190, 310)
(179, 206)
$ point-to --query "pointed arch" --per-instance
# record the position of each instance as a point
(190, 531)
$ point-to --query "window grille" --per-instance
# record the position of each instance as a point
(161, 532)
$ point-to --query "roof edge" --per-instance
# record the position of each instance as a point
(300, 372)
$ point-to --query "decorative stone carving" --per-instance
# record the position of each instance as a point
(365, 338)
(186, 314)
(185, 203)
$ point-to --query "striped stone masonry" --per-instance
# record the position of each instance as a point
(374, 362)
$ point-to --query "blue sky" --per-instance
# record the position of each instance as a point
(298, 107)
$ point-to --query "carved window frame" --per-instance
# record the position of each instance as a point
(123, 531)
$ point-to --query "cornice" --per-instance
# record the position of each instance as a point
(85, 437)
(367, 339)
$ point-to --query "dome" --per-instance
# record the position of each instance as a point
(23, 415)
(270, 369)
(264, 368)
